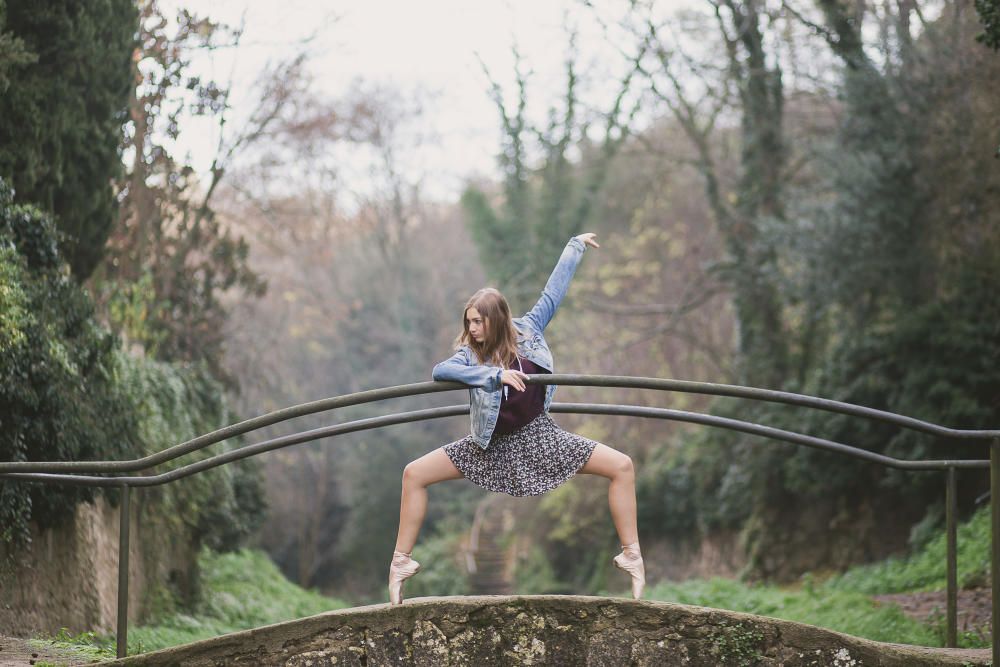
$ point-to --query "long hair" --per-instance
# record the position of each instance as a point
(499, 345)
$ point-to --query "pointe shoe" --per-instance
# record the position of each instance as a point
(401, 568)
(630, 560)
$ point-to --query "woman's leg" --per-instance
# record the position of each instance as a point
(433, 467)
(617, 467)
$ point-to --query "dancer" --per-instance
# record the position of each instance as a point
(515, 447)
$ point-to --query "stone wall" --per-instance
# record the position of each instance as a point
(547, 630)
(68, 577)
(718, 554)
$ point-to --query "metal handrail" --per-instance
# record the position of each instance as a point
(48, 472)
(457, 410)
(417, 388)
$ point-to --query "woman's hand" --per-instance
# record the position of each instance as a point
(514, 378)
(588, 239)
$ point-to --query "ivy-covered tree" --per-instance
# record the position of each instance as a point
(68, 393)
(65, 77)
(59, 399)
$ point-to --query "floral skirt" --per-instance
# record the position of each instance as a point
(529, 461)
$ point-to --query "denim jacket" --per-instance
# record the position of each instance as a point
(484, 380)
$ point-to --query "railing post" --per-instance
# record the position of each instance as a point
(951, 509)
(122, 638)
(995, 542)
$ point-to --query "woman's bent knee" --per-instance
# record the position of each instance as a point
(625, 466)
(411, 473)
(429, 469)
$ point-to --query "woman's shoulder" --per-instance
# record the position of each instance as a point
(522, 326)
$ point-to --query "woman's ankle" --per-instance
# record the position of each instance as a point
(632, 549)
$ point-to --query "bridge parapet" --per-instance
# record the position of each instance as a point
(547, 630)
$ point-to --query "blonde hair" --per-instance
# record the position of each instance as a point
(499, 345)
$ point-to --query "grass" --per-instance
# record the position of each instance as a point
(849, 612)
(925, 570)
(843, 602)
(243, 590)
(86, 646)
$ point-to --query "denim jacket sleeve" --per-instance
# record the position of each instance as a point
(458, 369)
(557, 285)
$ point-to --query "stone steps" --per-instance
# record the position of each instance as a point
(490, 577)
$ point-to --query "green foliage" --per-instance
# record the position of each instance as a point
(572, 527)
(925, 569)
(221, 506)
(441, 570)
(84, 646)
(13, 52)
(852, 613)
(843, 602)
(67, 393)
(887, 266)
(665, 494)
(542, 205)
(989, 13)
(60, 125)
(60, 398)
(535, 575)
(240, 590)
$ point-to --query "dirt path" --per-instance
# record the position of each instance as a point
(974, 610)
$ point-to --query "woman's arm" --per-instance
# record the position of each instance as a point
(458, 369)
(558, 283)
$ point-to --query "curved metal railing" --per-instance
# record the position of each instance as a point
(71, 472)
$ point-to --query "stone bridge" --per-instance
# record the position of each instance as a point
(547, 630)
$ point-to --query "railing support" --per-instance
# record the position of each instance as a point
(995, 540)
(951, 509)
(122, 638)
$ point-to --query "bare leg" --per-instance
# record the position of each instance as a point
(433, 467)
(617, 467)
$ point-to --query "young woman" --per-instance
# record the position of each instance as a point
(515, 447)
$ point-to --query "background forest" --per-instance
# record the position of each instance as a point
(801, 195)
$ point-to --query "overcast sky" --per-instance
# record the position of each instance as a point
(430, 46)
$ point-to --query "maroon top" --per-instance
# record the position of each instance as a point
(520, 407)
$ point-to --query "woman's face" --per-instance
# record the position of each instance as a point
(477, 325)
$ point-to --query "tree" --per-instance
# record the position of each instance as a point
(170, 258)
(60, 125)
(745, 206)
(13, 52)
(542, 206)
(989, 12)
(59, 396)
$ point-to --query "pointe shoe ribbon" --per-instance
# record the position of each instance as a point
(401, 568)
(630, 560)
